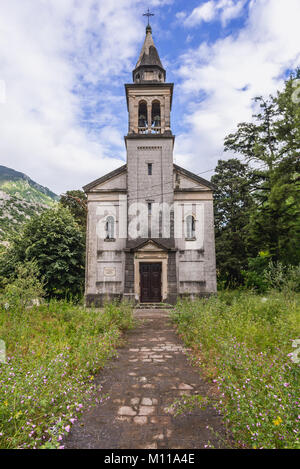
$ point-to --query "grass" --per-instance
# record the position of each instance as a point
(53, 353)
(243, 343)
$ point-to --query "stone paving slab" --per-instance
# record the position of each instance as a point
(151, 371)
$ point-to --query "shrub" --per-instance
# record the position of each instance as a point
(24, 291)
(119, 314)
(283, 278)
(254, 275)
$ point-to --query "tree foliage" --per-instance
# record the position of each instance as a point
(76, 202)
(233, 181)
(25, 290)
(257, 202)
(55, 242)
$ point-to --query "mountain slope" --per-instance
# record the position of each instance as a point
(20, 185)
(20, 199)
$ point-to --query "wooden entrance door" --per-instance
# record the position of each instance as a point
(150, 278)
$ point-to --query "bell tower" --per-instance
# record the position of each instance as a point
(150, 169)
(149, 141)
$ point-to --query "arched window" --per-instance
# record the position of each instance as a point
(110, 228)
(156, 117)
(190, 227)
(143, 120)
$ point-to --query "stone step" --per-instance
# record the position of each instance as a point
(154, 306)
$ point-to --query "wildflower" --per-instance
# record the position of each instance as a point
(67, 428)
(277, 421)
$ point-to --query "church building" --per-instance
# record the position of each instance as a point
(150, 229)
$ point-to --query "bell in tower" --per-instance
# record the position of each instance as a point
(156, 119)
(143, 118)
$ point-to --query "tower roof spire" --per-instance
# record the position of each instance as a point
(149, 58)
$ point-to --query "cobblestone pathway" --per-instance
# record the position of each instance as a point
(151, 372)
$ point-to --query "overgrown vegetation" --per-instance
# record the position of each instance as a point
(186, 404)
(55, 242)
(244, 342)
(53, 352)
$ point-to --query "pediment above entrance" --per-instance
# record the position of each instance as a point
(151, 245)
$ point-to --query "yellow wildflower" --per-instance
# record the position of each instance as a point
(277, 421)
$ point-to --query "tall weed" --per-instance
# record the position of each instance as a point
(243, 342)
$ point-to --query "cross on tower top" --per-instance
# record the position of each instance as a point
(149, 15)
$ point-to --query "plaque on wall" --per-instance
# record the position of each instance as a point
(109, 271)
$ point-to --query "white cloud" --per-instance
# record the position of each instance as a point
(221, 79)
(230, 9)
(58, 57)
(180, 15)
(225, 10)
(205, 12)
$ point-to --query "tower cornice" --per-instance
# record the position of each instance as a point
(146, 137)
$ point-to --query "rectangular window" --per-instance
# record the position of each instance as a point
(149, 208)
(149, 169)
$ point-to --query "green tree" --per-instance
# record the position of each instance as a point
(76, 202)
(56, 243)
(288, 123)
(257, 141)
(272, 144)
(233, 202)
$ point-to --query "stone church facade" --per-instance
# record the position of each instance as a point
(150, 230)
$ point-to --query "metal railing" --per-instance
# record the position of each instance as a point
(152, 130)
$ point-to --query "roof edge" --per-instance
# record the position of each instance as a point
(123, 168)
(105, 178)
(194, 176)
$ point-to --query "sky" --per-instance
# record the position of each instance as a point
(64, 63)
